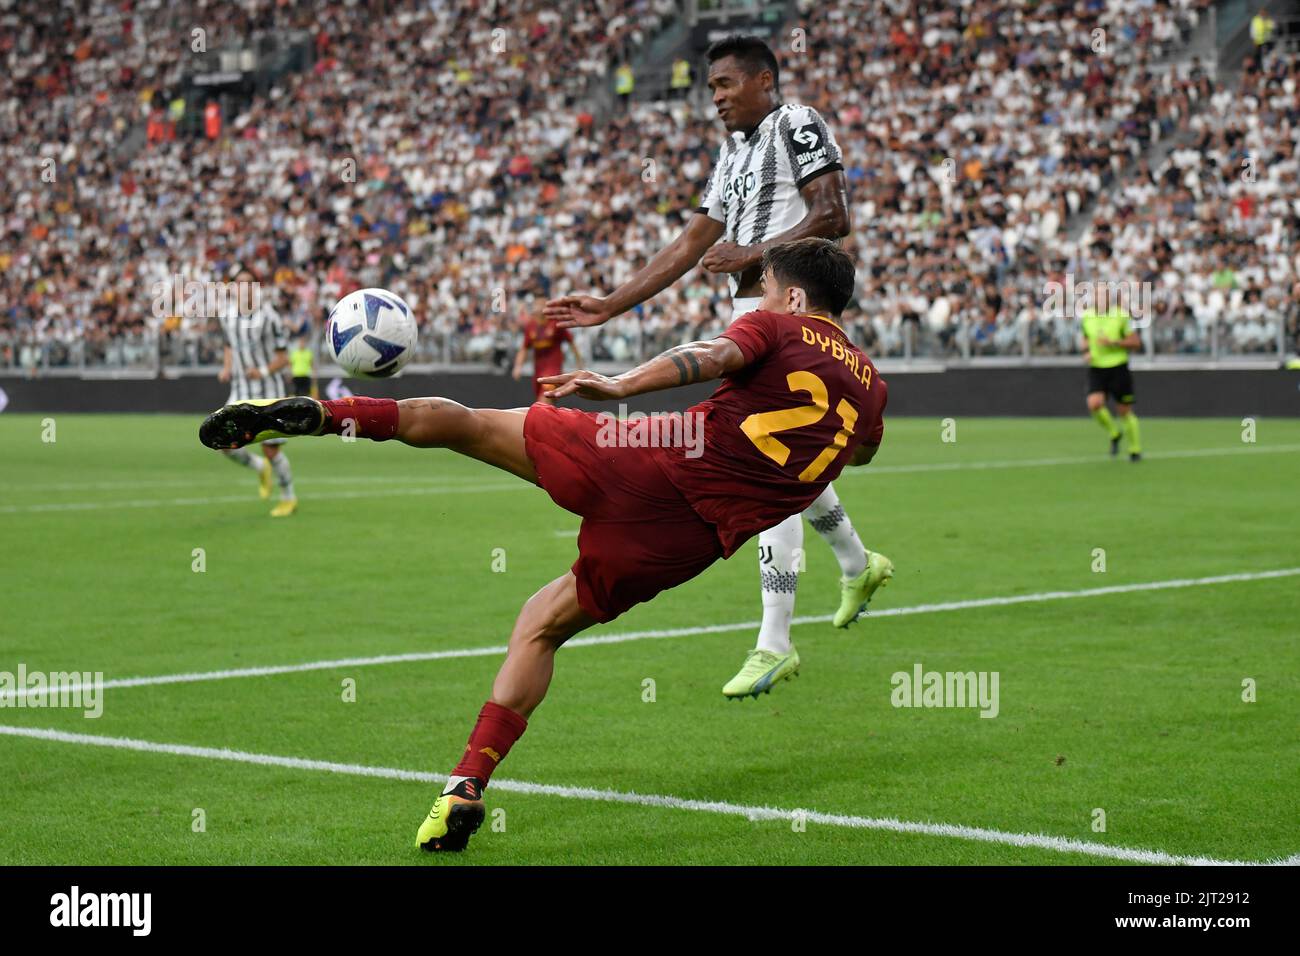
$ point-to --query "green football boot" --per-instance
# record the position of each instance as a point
(454, 818)
(762, 669)
(855, 593)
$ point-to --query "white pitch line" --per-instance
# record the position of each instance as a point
(1050, 462)
(481, 487)
(755, 814)
(234, 499)
(226, 482)
(626, 636)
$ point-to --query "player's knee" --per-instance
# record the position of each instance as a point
(1095, 402)
(548, 625)
(551, 616)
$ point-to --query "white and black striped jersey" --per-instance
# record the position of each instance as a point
(754, 188)
(254, 340)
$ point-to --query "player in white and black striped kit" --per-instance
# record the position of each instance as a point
(778, 177)
(256, 355)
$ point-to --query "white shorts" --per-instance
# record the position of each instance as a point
(740, 306)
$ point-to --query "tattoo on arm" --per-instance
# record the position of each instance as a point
(685, 375)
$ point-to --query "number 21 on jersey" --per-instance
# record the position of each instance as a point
(761, 427)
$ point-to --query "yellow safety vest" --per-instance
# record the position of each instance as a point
(1261, 29)
(300, 362)
(623, 80)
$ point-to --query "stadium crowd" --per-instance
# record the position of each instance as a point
(449, 151)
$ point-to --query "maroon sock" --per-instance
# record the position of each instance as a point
(495, 733)
(371, 417)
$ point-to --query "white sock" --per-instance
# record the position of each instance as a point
(453, 782)
(776, 567)
(242, 456)
(283, 475)
(828, 519)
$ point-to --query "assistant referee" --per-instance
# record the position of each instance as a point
(1107, 339)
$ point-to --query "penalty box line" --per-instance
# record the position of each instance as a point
(754, 814)
(627, 636)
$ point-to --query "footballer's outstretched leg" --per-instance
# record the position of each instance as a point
(492, 435)
(548, 619)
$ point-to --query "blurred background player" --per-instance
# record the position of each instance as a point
(300, 367)
(254, 358)
(778, 177)
(1107, 339)
(546, 340)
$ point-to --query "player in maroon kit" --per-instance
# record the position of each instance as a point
(798, 402)
(546, 340)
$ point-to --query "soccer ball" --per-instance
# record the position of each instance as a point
(370, 333)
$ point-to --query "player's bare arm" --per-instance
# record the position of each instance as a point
(278, 361)
(683, 365)
(668, 265)
(827, 199)
(518, 370)
(224, 374)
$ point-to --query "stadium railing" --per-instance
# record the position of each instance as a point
(1264, 341)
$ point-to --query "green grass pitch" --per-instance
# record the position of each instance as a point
(1129, 702)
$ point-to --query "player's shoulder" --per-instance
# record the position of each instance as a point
(762, 317)
(778, 326)
(799, 114)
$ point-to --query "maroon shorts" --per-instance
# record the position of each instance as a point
(639, 536)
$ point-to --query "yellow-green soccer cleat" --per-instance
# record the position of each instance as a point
(761, 670)
(257, 419)
(855, 593)
(454, 818)
(285, 508)
(264, 479)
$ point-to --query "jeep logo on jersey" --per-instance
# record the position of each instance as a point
(740, 186)
(808, 137)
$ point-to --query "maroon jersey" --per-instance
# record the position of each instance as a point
(547, 343)
(781, 428)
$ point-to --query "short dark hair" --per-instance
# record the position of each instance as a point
(750, 51)
(818, 266)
